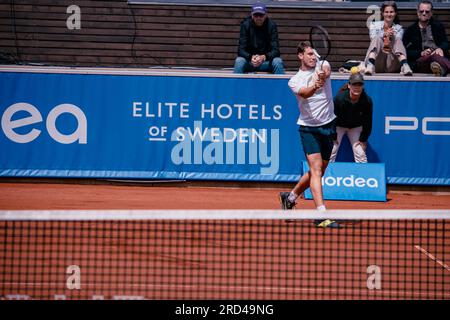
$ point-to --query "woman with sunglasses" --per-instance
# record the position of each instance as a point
(426, 43)
(386, 52)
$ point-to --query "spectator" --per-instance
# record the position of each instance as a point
(386, 52)
(258, 44)
(426, 43)
(353, 109)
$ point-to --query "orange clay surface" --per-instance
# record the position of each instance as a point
(43, 196)
(254, 260)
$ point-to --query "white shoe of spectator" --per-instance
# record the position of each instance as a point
(406, 70)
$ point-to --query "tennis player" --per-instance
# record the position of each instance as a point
(312, 88)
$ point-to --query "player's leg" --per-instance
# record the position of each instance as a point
(316, 144)
(325, 139)
(313, 176)
(310, 145)
(289, 199)
(316, 170)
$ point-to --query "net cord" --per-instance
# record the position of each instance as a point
(93, 215)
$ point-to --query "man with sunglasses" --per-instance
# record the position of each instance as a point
(258, 44)
(426, 43)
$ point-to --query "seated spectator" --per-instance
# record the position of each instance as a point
(353, 109)
(258, 44)
(386, 52)
(426, 43)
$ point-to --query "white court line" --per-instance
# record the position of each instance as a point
(429, 255)
(177, 287)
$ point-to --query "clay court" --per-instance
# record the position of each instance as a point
(238, 259)
(70, 196)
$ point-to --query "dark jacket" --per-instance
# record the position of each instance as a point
(412, 39)
(351, 115)
(258, 40)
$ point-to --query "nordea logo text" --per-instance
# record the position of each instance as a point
(350, 182)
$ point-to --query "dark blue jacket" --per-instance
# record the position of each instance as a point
(258, 40)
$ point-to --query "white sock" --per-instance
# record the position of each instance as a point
(292, 197)
(321, 208)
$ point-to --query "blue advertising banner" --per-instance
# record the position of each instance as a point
(146, 127)
(352, 181)
(212, 128)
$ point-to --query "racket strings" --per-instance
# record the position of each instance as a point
(320, 41)
(320, 44)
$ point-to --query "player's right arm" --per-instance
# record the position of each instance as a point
(302, 89)
(307, 92)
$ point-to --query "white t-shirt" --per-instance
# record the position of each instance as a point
(318, 109)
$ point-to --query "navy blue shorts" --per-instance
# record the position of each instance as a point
(318, 139)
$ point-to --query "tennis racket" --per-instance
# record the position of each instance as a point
(320, 41)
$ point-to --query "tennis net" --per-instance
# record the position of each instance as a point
(224, 254)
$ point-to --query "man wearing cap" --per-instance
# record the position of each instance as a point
(258, 44)
(353, 108)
